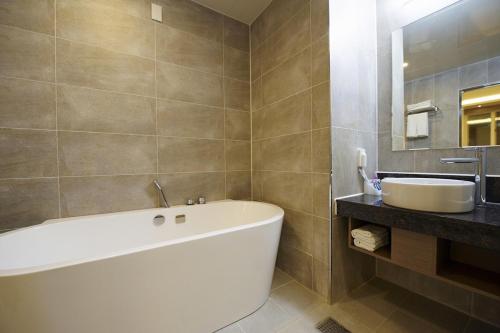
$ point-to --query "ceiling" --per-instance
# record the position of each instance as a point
(245, 11)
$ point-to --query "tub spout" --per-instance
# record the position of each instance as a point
(162, 195)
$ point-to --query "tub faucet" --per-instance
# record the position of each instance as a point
(479, 161)
(162, 195)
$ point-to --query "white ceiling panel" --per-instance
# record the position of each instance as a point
(245, 11)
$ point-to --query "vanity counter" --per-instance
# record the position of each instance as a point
(481, 227)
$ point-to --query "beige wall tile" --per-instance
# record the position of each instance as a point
(275, 15)
(296, 263)
(237, 125)
(297, 231)
(320, 60)
(289, 190)
(236, 63)
(291, 38)
(285, 153)
(25, 202)
(321, 159)
(257, 100)
(321, 278)
(82, 154)
(239, 186)
(190, 155)
(295, 71)
(27, 104)
(95, 67)
(96, 23)
(321, 105)
(256, 63)
(321, 194)
(257, 185)
(237, 155)
(25, 54)
(138, 8)
(321, 240)
(190, 120)
(289, 116)
(319, 18)
(188, 16)
(27, 153)
(237, 94)
(182, 48)
(182, 186)
(96, 195)
(34, 15)
(236, 34)
(187, 85)
(83, 109)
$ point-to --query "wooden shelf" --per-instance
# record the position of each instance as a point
(474, 278)
(466, 266)
(383, 253)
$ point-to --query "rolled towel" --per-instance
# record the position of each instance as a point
(374, 241)
(367, 246)
(369, 231)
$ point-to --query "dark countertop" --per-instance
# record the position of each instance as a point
(481, 227)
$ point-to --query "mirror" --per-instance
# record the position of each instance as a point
(445, 78)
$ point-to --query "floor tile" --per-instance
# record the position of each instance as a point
(295, 298)
(234, 328)
(369, 305)
(280, 278)
(269, 318)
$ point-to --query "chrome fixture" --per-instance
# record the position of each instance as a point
(479, 160)
(189, 202)
(162, 195)
(159, 220)
(202, 200)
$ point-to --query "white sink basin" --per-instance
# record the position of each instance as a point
(429, 194)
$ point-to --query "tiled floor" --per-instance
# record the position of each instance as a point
(377, 306)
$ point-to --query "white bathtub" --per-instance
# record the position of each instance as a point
(121, 273)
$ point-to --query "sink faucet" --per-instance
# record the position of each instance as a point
(479, 161)
(162, 195)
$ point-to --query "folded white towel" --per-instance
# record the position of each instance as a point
(419, 106)
(417, 125)
(368, 247)
(374, 241)
(369, 231)
(411, 126)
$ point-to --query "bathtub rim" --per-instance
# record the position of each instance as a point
(5, 273)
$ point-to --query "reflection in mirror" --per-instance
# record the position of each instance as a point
(436, 61)
(480, 116)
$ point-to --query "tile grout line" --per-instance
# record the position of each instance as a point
(249, 35)
(155, 28)
(313, 275)
(56, 111)
(224, 104)
(290, 96)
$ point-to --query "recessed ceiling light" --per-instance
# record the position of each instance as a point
(405, 64)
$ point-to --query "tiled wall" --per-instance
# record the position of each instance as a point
(97, 100)
(443, 89)
(392, 15)
(354, 125)
(420, 161)
(290, 131)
